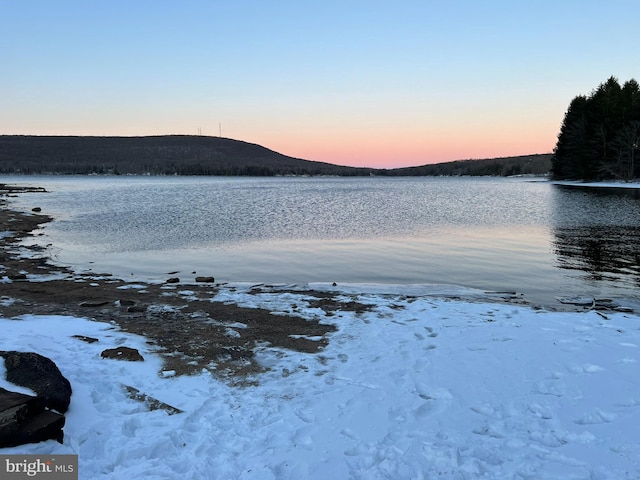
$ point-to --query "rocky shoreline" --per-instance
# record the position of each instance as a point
(184, 322)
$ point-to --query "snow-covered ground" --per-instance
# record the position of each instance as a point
(416, 388)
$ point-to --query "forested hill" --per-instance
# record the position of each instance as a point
(538, 164)
(156, 155)
(198, 155)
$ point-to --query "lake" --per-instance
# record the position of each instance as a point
(514, 234)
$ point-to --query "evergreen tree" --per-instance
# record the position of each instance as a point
(598, 138)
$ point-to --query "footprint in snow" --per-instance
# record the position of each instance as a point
(306, 416)
(547, 388)
(397, 414)
(432, 334)
(489, 431)
(486, 411)
(435, 399)
(303, 439)
(588, 368)
(627, 360)
(540, 411)
(633, 402)
(596, 417)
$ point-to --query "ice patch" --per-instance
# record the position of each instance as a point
(134, 286)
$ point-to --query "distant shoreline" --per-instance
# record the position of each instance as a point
(605, 184)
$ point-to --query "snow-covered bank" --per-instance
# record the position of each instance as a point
(413, 388)
(576, 183)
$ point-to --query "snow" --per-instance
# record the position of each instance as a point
(576, 183)
(415, 388)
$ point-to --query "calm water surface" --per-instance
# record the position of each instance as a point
(494, 234)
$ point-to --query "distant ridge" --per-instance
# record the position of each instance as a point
(535, 164)
(154, 155)
(200, 155)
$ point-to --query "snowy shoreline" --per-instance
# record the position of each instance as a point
(577, 183)
(414, 388)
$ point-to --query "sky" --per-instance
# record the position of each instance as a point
(361, 83)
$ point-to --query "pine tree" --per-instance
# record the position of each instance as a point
(598, 138)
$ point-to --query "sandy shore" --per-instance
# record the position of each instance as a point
(182, 320)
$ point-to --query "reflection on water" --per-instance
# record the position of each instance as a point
(604, 253)
(597, 234)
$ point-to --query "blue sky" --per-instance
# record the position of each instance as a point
(351, 82)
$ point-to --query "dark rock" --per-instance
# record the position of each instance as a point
(18, 276)
(40, 374)
(173, 280)
(94, 303)
(205, 279)
(86, 339)
(36, 209)
(46, 425)
(123, 353)
(127, 303)
(137, 309)
(17, 405)
(23, 419)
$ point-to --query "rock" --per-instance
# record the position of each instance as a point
(578, 301)
(85, 339)
(123, 353)
(173, 280)
(126, 303)
(23, 419)
(36, 209)
(45, 426)
(624, 309)
(205, 279)
(94, 303)
(17, 276)
(137, 309)
(40, 374)
(17, 406)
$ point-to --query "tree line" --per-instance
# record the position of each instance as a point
(537, 164)
(600, 134)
